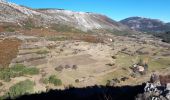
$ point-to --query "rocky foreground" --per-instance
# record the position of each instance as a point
(158, 88)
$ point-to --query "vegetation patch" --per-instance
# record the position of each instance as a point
(52, 80)
(42, 51)
(125, 60)
(16, 71)
(21, 88)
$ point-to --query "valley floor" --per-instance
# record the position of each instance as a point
(78, 63)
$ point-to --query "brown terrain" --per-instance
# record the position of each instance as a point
(9, 48)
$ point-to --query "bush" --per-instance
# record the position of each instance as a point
(54, 80)
(21, 88)
(74, 67)
(114, 57)
(59, 68)
(67, 66)
(77, 81)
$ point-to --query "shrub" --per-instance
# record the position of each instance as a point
(74, 67)
(21, 88)
(54, 80)
(42, 52)
(110, 64)
(59, 68)
(67, 66)
(114, 57)
(77, 81)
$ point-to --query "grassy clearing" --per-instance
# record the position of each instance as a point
(115, 74)
(125, 60)
(17, 71)
(159, 63)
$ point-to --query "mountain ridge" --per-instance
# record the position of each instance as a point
(13, 13)
(146, 24)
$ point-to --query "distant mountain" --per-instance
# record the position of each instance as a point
(20, 15)
(146, 24)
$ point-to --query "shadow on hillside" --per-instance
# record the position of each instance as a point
(89, 93)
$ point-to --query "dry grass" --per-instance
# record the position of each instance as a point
(1, 29)
(8, 51)
(92, 39)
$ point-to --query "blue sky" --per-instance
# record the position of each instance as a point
(116, 9)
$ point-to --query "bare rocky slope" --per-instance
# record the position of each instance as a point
(13, 13)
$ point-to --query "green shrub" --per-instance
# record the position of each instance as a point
(21, 88)
(54, 80)
(31, 71)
